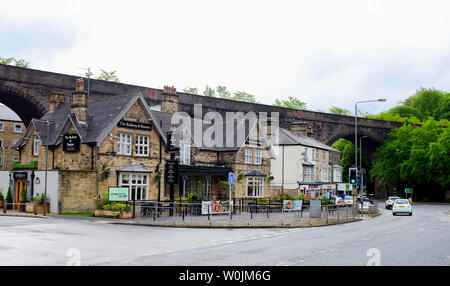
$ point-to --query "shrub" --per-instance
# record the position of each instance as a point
(8, 195)
(284, 197)
(102, 201)
(40, 199)
(107, 207)
(24, 195)
(1, 196)
(262, 200)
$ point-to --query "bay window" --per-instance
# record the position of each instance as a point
(255, 186)
(137, 184)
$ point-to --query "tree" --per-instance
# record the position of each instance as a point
(243, 96)
(191, 90)
(223, 92)
(291, 102)
(337, 110)
(18, 63)
(209, 92)
(108, 76)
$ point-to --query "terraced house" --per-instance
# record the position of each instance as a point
(121, 141)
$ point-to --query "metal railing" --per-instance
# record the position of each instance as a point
(248, 214)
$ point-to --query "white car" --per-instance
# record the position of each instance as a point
(365, 206)
(401, 206)
(338, 201)
(348, 200)
(388, 204)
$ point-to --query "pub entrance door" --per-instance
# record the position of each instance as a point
(21, 185)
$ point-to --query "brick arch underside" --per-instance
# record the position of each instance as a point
(22, 103)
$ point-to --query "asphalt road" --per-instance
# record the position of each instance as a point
(422, 239)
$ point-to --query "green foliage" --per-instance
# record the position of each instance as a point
(337, 110)
(120, 207)
(8, 194)
(191, 90)
(291, 102)
(24, 194)
(40, 199)
(243, 96)
(209, 92)
(263, 200)
(102, 201)
(348, 157)
(192, 197)
(108, 76)
(415, 157)
(224, 185)
(18, 63)
(223, 92)
(1, 196)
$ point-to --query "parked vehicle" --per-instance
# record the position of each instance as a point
(391, 200)
(348, 200)
(338, 201)
(401, 206)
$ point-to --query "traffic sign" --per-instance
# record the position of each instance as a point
(231, 178)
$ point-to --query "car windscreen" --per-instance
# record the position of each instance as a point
(348, 197)
(402, 202)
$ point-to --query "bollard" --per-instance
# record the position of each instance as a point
(35, 208)
(182, 208)
(251, 212)
(4, 206)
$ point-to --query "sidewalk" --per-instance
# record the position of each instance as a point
(22, 214)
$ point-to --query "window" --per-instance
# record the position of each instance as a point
(123, 144)
(36, 145)
(308, 173)
(16, 159)
(337, 174)
(258, 156)
(137, 183)
(141, 146)
(255, 187)
(248, 155)
(324, 156)
(1, 143)
(315, 155)
(1, 126)
(185, 153)
(326, 174)
(17, 128)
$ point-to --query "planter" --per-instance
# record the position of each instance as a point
(30, 208)
(126, 215)
(1, 204)
(104, 213)
(9, 205)
(22, 206)
(41, 208)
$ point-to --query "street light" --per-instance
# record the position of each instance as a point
(360, 150)
(356, 133)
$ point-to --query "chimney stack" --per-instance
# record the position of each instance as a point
(79, 101)
(56, 99)
(299, 126)
(169, 101)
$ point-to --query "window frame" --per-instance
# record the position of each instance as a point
(2, 126)
(185, 153)
(248, 158)
(144, 185)
(310, 174)
(259, 193)
(36, 141)
(145, 146)
(17, 125)
(257, 159)
(122, 144)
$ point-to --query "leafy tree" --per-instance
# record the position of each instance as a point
(347, 149)
(18, 63)
(223, 92)
(291, 102)
(337, 110)
(209, 92)
(243, 96)
(108, 76)
(191, 90)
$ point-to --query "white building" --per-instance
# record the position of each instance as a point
(303, 164)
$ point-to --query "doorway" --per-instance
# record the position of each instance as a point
(21, 186)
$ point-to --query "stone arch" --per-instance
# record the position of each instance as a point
(370, 144)
(22, 102)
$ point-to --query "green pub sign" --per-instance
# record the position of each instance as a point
(118, 194)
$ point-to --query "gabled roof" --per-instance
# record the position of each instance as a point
(7, 114)
(287, 137)
(102, 115)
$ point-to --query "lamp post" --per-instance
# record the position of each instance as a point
(356, 133)
(360, 150)
(46, 166)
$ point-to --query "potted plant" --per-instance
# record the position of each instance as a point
(24, 199)
(9, 199)
(30, 207)
(40, 201)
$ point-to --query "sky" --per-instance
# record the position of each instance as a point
(326, 53)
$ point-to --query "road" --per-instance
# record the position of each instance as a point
(421, 239)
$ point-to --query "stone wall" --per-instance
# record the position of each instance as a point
(77, 191)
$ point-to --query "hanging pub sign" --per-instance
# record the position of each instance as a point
(171, 170)
(171, 145)
(71, 143)
(134, 125)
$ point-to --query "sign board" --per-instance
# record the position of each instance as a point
(409, 190)
(171, 171)
(171, 144)
(20, 175)
(231, 178)
(118, 194)
(134, 125)
(292, 205)
(71, 143)
(347, 187)
(215, 207)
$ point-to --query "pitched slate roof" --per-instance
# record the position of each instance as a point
(7, 114)
(287, 137)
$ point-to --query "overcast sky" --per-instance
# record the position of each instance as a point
(326, 53)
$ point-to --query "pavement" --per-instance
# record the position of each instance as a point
(420, 240)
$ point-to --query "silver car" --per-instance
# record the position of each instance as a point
(391, 200)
